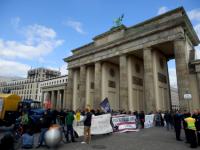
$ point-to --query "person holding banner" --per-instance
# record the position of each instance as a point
(87, 126)
(142, 119)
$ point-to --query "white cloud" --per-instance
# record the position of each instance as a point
(172, 77)
(197, 53)
(76, 25)
(194, 14)
(39, 41)
(12, 68)
(63, 69)
(162, 10)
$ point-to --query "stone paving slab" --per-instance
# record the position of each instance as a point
(146, 139)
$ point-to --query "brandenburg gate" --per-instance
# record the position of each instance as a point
(128, 65)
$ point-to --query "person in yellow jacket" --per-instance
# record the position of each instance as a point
(191, 131)
(78, 117)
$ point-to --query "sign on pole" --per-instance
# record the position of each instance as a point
(187, 96)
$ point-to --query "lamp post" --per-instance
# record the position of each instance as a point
(187, 96)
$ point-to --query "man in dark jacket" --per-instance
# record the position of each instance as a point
(167, 119)
(46, 121)
(69, 122)
(177, 125)
(142, 119)
(87, 125)
(196, 116)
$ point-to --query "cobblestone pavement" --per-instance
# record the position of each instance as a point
(146, 139)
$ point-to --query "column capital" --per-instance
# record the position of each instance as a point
(147, 48)
(180, 37)
(98, 62)
(197, 68)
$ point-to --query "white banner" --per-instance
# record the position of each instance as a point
(149, 121)
(124, 123)
(100, 125)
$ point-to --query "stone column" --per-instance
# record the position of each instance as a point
(58, 105)
(97, 85)
(49, 96)
(181, 71)
(64, 97)
(149, 80)
(42, 99)
(88, 84)
(54, 102)
(82, 87)
(69, 91)
(123, 82)
(197, 67)
(131, 107)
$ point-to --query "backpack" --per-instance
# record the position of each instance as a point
(27, 141)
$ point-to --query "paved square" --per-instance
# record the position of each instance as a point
(147, 139)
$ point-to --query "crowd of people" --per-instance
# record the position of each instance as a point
(190, 123)
(178, 121)
(181, 120)
(23, 129)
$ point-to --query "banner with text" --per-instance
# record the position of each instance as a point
(100, 125)
(149, 121)
(124, 123)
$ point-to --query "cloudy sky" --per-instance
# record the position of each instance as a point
(40, 33)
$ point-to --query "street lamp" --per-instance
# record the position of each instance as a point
(188, 96)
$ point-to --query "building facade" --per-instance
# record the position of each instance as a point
(54, 91)
(29, 88)
(129, 66)
(174, 98)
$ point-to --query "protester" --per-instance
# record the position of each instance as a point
(142, 119)
(24, 121)
(62, 116)
(54, 114)
(46, 121)
(135, 113)
(157, 118)
(98, 112)
(87, 125)
(161, 119)
(69, 122)
(78, 115)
